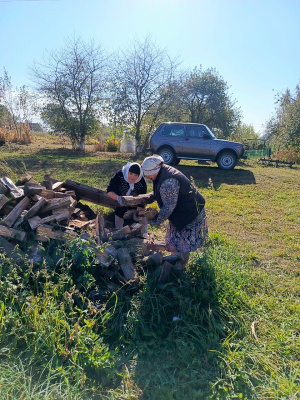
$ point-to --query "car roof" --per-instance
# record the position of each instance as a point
(182, 123)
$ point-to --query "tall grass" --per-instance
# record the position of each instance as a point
(188, 339)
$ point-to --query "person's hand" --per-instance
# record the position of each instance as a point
(149, 213)
(120, 201)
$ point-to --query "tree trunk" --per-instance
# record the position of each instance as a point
(80, 145)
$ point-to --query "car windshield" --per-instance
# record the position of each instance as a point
(212, 135)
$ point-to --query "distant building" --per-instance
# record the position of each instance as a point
(35, 127)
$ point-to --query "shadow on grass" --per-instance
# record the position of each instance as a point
(206, 176)
(171, 333)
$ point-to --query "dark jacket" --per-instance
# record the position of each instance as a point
(190, 201)
(120, 186)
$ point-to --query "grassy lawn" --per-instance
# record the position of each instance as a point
(236, 328)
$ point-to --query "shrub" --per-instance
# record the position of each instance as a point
(100, 147)
(288, 155)
(113, 145)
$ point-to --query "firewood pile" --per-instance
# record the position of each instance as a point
(51, 210)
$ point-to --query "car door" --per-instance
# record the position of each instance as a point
(197, 142)
(172, 134)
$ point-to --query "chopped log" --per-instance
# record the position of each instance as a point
(30, 189)
(149, 213)
(47, 184)
(35, 208)
(57, 203)
(91, 194)
(25, 178)
(173, 258)
(136, 246)
(154, 260)
(106, 256)
(130, 214)
(3, 189)
(136, 229)
(165, 273)
(15, 192)
(57, 185)
(49, 178)
(59, 195)
(121, 233)
(31, 180)
(126, 264)
(141, 199)
(36, 197)
(45, 232)
(16, 212)
(100, 228)
(36, 221)
(12, 233)
(11, 250)
(6, 209)
(3, 200)
(156, 245)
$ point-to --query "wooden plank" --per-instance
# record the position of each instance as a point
(16, 212)
(11, 250)
(90, 194)
(3, 200)
(14, 191)
(35, 208)
(12, 233)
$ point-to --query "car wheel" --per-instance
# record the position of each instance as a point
(168, 155)
(226, 160)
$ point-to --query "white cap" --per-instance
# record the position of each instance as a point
(151, 165)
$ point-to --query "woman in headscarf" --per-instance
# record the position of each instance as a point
(181, 203)
(128, 181)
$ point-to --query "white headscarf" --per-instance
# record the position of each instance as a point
(125, 171)
(151, 165)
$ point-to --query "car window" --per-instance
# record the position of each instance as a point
(173, 130)
(196, 131)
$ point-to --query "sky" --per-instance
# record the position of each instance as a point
(252, 44)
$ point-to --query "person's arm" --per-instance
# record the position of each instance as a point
(169, 192)
(114, 187)
(113, 195)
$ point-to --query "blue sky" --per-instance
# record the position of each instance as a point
(253, 44)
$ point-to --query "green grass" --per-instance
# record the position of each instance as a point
(190, 339)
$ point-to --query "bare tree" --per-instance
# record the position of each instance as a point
(71, 82)
(141, 73)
